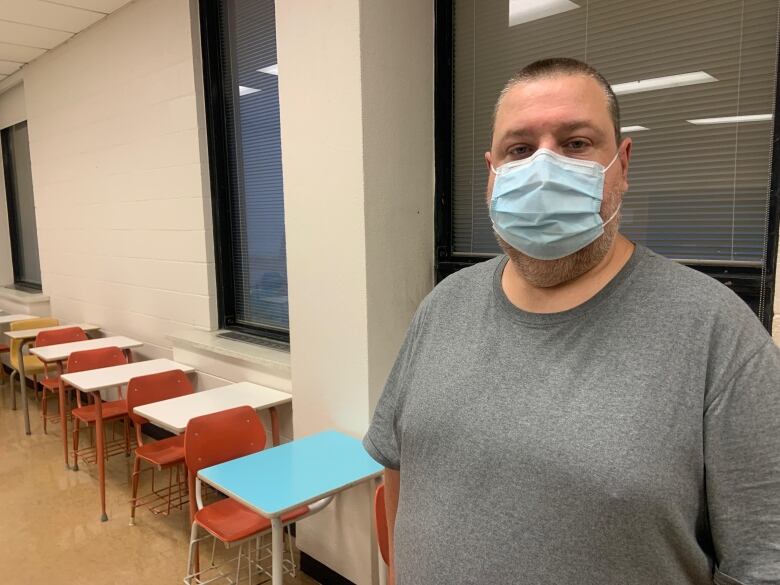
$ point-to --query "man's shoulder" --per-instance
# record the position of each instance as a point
(467, 281)
(690, 298)
(682, 283)
(461, 291)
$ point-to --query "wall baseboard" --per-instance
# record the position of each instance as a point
(321, 573)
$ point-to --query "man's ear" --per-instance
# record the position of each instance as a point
(625, 159)
(488, 160)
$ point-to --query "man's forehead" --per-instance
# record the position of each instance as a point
(567, 99)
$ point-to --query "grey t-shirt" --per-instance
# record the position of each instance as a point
(632, 440)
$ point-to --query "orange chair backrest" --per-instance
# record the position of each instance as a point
(91, 359)
(154, 388)
(22, 325)
(57, 336)
(380, 516)
(222, 436)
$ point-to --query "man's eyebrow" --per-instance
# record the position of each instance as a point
(570, 126)
(579, 124)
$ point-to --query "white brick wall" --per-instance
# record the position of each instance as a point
(123, 225)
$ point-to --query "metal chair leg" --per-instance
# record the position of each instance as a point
(13, 392)
(133, 502)
(193, 537)
(238, 564)
(75, 444)
(44, 409)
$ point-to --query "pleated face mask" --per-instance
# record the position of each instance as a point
(547, 206)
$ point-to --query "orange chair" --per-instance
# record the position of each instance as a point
(166, 453)
(51, 384)
(97, 414)
(93, 359)
(216, 438)
(380, 517)
(32, 365)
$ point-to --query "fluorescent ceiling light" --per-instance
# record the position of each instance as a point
(243, 90)
(521, 11)
(633, 128)
(271, 69)
(732, 119)
(663, 82)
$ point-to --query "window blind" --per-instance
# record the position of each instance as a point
(698, 192)
(255, 165)
(21, 205)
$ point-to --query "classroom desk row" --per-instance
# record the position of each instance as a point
(304, 471)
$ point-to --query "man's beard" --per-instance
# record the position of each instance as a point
(549, 273)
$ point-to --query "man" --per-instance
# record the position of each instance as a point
(580, 410)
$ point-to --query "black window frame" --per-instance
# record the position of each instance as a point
(745, 281)
(220, 181)
(11, 195)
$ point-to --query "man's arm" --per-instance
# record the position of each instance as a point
(742, 464)
(392, 486)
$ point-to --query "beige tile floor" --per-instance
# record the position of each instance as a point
(49, 517)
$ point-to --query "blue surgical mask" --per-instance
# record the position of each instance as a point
(547, 206)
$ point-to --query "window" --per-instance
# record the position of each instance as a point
(21, 206)
(701, 118)
(240, 78)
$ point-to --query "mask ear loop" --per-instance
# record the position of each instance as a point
(611, 217)
(614, 158)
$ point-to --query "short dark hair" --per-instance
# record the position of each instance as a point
(564, 66)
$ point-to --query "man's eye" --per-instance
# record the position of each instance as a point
(576, 144)
(519, 151)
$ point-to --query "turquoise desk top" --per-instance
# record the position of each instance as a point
(300, 472)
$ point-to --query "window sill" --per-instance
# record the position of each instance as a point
(270, 360)
(23, 297)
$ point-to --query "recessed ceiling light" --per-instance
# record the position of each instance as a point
(521, 11)
(633, 128)
(271, 69)
(732, 119)
(663, 82)
(243, 90)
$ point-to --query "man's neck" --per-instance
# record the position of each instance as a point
(570, 294)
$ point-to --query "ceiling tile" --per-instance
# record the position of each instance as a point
(19, 53)
(104, 6)
(31, 36)
(8, 67)
(48, 15)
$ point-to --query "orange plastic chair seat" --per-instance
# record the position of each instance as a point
(163, 452)
(230, 521)
(111, 410)
(52, 383)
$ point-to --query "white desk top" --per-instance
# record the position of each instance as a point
(174, 414)
(92, 380)
(5, 319)
(61, 351)
(33, 333)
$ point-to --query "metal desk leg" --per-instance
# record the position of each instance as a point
(100, 454)
(193, 506)
(23, 388)
(277, 548)
(382, 565)
(274, 426)
(63, 419)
